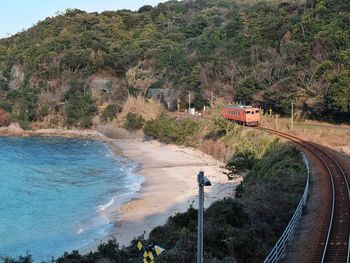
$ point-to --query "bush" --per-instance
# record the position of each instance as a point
(170, 130)
(248, 151)
(5, 106)
(110, 112)
(134, 121)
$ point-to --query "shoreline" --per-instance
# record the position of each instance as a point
(170, 182)
(15, 130)
(170, 186)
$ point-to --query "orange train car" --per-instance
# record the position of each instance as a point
(246, 115)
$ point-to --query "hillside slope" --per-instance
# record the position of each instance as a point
(68, 68)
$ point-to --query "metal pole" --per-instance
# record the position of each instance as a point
(291, 117)
(189, 101)
(200, 218)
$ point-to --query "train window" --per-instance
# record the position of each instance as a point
(257, 111)
(252, 112)
(232, 112)
(247, 112)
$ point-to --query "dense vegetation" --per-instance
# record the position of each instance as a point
(266, 53)
(235, 230)
(238, 146)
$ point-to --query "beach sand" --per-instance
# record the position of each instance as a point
(170, 185)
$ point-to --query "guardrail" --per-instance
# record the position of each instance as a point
(279, 247)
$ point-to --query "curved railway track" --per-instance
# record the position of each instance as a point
(333, 240)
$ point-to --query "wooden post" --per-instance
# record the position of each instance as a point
(276, 122)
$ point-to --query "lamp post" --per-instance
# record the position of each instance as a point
(202, 181)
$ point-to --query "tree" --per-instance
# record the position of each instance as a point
(79, 106)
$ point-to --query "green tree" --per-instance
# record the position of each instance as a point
(79, 106)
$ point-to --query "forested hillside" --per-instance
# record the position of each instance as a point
(69, 68)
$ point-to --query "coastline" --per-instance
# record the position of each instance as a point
(170, 186)
(15, 130)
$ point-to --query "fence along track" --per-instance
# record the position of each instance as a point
(278, 249)
(334, 244)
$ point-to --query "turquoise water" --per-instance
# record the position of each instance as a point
(55, 194)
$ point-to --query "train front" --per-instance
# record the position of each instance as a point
(252, 116)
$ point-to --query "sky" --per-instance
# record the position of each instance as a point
(16, 15)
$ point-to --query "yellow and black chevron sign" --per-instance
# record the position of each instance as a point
(148, 256)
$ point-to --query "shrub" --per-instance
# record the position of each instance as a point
(4, 118)
(170, 130)
(5, 106)
(134, 121)
(248, 151)
(110, 112)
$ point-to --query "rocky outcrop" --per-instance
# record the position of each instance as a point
(169, 96)
(141, 76)
(12, 130)
(15, 130)
(17, 77)
(105, 88)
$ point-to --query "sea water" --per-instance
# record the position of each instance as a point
(55, 193)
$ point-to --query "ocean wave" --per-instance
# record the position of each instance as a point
(105, 206)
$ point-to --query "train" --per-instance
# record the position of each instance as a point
(245, 115)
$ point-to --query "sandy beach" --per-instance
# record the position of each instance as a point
(170, 185)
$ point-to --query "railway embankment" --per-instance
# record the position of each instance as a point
(323, 235)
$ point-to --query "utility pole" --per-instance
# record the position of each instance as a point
(291, 117)
(276, 122)
(189, 101)
(202, 181)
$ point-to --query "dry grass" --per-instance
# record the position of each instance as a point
(217, 149)
(150, 109)
(333, 136)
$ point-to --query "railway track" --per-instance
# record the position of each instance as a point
(332, 243)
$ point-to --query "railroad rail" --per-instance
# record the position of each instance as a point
(333, 242)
